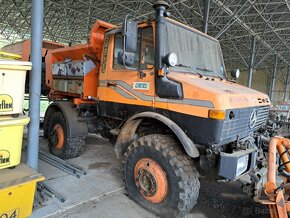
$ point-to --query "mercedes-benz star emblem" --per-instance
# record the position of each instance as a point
(253, 118)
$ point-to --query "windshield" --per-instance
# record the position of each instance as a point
(195, 52)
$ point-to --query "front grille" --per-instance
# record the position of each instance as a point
(239, 126)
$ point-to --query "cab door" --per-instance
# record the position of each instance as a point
(130, 88)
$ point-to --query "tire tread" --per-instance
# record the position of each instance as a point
(183, 167)
(73, 145)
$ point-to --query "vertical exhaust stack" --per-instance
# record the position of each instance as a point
(164, 88)
(160, 7)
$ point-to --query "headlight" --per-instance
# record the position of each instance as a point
(235, 73)
(242, 165)
(233, 165)
(170, 59)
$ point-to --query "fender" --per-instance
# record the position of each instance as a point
(75, 127)
(127, 133)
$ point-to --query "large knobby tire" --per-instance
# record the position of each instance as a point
(59, 143)
(160, 176)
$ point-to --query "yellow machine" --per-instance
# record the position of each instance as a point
(11, 135)
(12, 84)
(17, 188)
(17, 181)
(9, 56)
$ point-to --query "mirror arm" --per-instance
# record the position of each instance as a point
(124, 34)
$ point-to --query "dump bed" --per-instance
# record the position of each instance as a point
(74, 71)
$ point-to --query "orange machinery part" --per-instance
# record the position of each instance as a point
(93, 48)
(278, 205)
(277, 143)
(148, 168)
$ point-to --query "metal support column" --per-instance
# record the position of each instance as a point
(251, 65)
(286, 92)
(35, 83)
(205, 15)
(272, 88)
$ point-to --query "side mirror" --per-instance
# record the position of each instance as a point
(130, 35)
(235, 74)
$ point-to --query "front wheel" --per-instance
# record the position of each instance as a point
(160, 177)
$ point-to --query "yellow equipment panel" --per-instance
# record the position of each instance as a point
(12, 85)
(9, 56)
(17, 188)
(11, 134)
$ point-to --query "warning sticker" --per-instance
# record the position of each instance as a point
(6, 104)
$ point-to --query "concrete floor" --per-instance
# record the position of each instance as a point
(101, 192)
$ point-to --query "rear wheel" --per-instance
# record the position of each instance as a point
(59, 143)
(160, 177)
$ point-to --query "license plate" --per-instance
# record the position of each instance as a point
(10, 214)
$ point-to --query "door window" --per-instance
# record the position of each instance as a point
(144, 55)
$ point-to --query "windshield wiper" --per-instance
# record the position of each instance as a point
(186, 66)
(204, 69)
(182, 65)
(209, 70)
(200, 75)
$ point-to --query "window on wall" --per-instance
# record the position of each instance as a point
(144, 55)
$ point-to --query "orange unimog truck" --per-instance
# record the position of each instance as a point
(159, 91)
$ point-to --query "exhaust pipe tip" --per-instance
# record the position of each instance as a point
(160, 3)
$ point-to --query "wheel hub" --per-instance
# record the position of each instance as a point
(150, 180)
(146, 182)
(57, 136)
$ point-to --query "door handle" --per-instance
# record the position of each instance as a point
(111, 84)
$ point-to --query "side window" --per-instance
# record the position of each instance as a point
(117, 49)
(145, 47)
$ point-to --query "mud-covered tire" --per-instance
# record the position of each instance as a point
(182, 176)
(71, 146)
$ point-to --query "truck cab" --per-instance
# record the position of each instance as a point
(199, 93)
(157, 89)
(190, 86)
